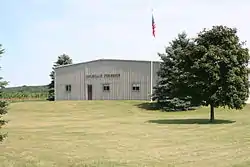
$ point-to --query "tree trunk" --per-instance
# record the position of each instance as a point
(211, 113)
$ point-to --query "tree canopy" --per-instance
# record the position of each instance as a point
(211, 69)
(3, 103)
(172, 90)
(61, 60)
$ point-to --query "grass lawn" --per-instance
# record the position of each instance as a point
(118, 133)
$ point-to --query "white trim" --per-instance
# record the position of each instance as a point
(80, 78)
(84, 85)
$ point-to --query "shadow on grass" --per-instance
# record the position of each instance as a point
(149, 106)
(157, 106)
(190, 121)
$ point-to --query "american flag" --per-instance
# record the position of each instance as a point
(153, 25)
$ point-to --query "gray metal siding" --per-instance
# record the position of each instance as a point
(64, 78)
(120, 88)
(156, 67)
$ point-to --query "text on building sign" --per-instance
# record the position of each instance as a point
(102, 75)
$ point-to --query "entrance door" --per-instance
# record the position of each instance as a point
(89, 92)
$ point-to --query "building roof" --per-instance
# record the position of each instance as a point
(124, 60)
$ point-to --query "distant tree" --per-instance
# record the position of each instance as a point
(62, 60)
(219, 63)
(172, 90)
(210, 69)
(3, 103)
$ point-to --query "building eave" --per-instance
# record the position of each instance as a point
(123, 60)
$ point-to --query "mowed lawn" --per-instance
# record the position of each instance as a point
(119, 133)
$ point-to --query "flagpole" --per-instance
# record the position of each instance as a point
(151, 62)
(151, 80)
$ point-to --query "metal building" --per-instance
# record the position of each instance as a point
(106, 79)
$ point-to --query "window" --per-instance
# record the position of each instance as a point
(106, 87)
(136, 87)
(68, 88)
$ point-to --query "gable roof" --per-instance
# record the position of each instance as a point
(123, 60)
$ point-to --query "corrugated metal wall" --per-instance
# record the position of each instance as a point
(120, 87)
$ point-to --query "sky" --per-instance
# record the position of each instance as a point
(35, 32)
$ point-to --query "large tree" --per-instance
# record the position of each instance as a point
(212, 69)
(172, 90)
(61, 60)
(3, 103)
(219, 62)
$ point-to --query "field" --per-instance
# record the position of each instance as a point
(25, 93)
(119, 133)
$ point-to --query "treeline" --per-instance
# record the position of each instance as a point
(25, 93)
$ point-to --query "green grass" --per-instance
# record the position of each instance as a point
(118, 133)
